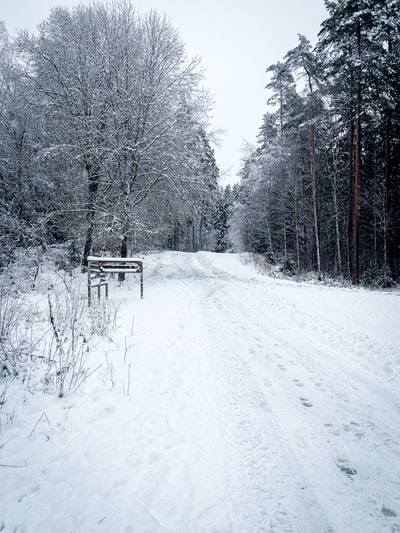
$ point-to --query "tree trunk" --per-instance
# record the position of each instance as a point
(268, 225)
(201, 226)
(357, 173)
(89, 237)
(337, 227)
(296, 226)
(315, 198)
(176, 240)
(335, 205)
(93, 178)
(386, 203)
(124, 253)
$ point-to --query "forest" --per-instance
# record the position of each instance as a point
(321, 192)
(103, 136)
(105, 145)
(251, 390)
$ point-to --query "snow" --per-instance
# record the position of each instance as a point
(226, 401)
(114, 259)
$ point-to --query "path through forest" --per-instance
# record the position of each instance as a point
(226, 402)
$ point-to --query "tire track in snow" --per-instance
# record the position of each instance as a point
(301, 430)
(266, 490)
(321, 378)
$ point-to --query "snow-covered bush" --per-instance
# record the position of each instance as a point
(69, 326)
(288, 267)
(72, 324)
(102, 316)
(377, 279)
(15, 342)
(46, 324)
(69, 257)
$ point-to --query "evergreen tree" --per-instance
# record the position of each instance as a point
(322, 188)
(221, 219)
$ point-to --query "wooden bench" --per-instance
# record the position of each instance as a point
(100, 267)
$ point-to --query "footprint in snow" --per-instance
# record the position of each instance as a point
(305, 402)
(348, 471)
(321, 387)
(343, 467)
(388, 512)
(354, 428)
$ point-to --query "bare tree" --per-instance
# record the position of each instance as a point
(115, 84)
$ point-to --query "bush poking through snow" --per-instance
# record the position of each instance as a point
(58, 336)
(377, 279)
(3, 399)
(44, 342)
(15, 344)
(103, 316)
(69, 325)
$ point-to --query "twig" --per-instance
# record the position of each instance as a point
(53, 325)
(129, 379)
(86, 376)
(14, 466)
(40, 418)
(132, 325)
(111, 374)
(4, 443)
(127, 348)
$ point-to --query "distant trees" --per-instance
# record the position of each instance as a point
(221, 220)
(224, 222)
(24, 193)
(104, 114)
(103, 140)
(322, 190)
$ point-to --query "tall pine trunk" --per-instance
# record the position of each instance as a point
(315, 199)
(357, 172)
(335, 202)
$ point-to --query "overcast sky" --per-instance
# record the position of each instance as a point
(236, 39)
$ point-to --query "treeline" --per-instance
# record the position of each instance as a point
(321, 192)
(103, 140)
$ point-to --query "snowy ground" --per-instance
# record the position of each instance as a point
(226, 402)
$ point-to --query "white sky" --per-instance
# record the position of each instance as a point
(236, 39)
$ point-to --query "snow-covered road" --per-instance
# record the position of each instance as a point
(227, 402)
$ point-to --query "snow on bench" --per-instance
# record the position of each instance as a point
(100, 267)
